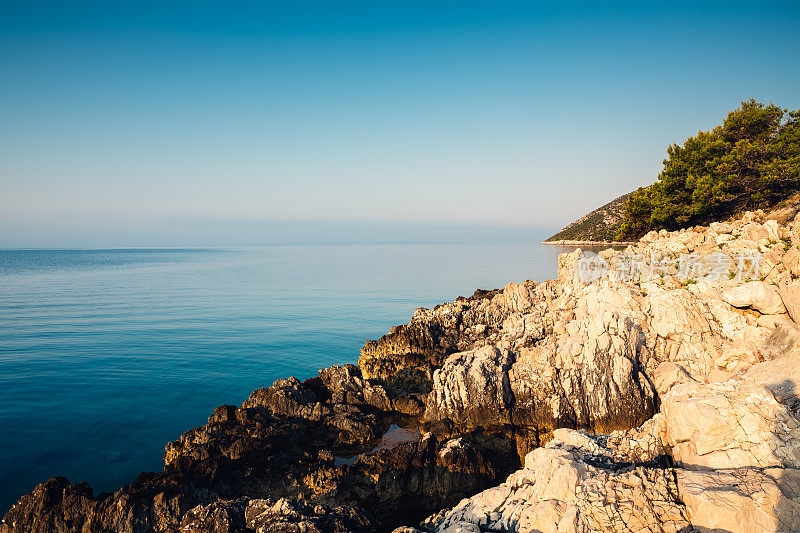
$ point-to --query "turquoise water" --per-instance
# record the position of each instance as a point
(107, 355)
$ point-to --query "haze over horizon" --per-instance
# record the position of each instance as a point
(182, 123)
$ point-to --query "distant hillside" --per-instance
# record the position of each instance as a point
(602, 224)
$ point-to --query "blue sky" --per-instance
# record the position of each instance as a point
(119, 117)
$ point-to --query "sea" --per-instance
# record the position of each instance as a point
(107, 355)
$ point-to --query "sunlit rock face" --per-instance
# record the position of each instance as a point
(686, 382)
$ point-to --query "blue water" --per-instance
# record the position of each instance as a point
(107, 355)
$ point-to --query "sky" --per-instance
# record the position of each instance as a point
(201, 123)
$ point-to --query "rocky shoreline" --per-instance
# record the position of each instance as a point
(652, 398)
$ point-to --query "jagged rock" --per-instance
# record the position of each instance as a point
(217, 517)
(581, 482)
(54, 505)
(434, 472)
(408, 355)
(557, 491)
(472, 387)
(591, 376)
(296, 516)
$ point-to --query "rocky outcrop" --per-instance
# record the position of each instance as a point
(647, 389)
(265, 516)
(732, 424)
(719, 447)
(283, 443)
(580, 482)
(473, 387)
(645, 479)
(407, 356)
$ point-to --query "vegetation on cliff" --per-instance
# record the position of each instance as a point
(602, 224)
(750, 161)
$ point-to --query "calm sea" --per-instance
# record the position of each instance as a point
(106, 355)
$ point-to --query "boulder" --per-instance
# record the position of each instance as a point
(756, 294)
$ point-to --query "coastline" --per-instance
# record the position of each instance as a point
(485, 380)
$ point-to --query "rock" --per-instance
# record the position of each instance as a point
(756, 294)
(790, 296)
(408, 355)
(472, 388)
(54, 505)
(784, 340)
(735, 424)
(217, 517)
(781, 377)
(583, 482)
(744, 500)
(791, 260)
(296, 516)
(435, 474)
(669, 374)
(558, 491)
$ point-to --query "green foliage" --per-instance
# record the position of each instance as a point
(751, 160)
(601, 224)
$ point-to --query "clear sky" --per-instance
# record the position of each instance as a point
(120, 122)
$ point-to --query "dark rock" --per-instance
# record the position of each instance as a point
(54, 505)
(280, 444)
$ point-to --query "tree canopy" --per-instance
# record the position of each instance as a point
(751, 160)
